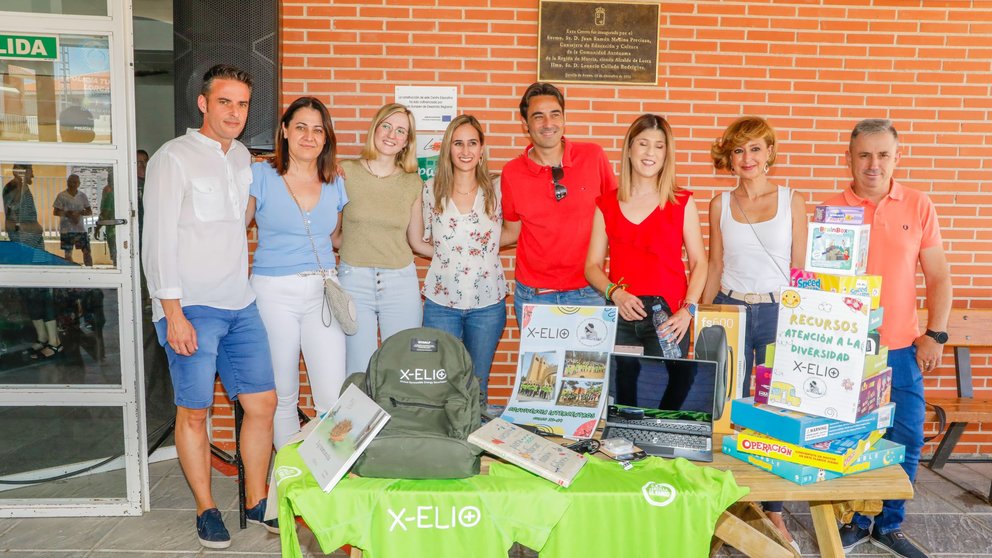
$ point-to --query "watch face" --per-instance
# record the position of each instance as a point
(938, 336)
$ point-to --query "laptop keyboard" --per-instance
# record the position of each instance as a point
(698, 428)
(667, 439)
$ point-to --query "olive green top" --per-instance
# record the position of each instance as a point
(375, 220)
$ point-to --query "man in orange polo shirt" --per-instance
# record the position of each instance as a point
(904, 232)
(549, 196)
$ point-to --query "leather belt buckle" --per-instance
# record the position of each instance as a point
(752, 298)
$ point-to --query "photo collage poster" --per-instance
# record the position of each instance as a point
(563, 368)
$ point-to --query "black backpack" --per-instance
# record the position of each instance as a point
(423, 378)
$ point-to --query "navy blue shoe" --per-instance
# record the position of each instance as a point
(257, 515)
(211, 531)
(851, 535)
(898, 544)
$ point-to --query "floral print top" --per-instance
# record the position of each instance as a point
(466, 271)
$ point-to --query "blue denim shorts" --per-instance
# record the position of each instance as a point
(232, 343)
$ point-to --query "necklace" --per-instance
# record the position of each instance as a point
(467, 193)
(368, 165)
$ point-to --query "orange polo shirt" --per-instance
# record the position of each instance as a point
(902, 225)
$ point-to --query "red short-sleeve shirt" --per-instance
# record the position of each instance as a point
(554, 235)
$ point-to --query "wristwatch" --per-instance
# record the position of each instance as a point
(938, 336)
(691, 307)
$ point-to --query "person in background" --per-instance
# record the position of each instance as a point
(549, 196)
(196, 263)
(643, 227)
(106, 214)
(71, 206)
(380, 224)
(904, 233)
(296, 201)
(22, 226)
(465, 290)
(757, 232)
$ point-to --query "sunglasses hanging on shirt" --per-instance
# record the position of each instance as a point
(557, 173)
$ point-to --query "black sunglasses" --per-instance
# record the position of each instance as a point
(557, 173)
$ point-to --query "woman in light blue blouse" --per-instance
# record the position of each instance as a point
(296, 201)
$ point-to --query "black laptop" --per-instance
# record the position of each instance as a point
(677, 397)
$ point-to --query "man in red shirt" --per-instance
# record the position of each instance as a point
(904, 233)
(549, 195)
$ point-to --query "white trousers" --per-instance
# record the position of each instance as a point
(293, 310)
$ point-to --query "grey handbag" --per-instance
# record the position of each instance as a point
(342, 306)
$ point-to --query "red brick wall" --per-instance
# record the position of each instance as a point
(813, 68)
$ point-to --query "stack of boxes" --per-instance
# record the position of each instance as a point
(821, 403)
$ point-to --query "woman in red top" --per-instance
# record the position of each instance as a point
(644, 227)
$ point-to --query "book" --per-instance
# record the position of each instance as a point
(833, 455)
(881, 454)
(529, 451)
(332, 446)
(802, 429)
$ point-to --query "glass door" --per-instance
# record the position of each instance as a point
(72, 425)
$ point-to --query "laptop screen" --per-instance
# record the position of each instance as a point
(667, 388)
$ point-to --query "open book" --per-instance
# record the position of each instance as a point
(332, 446)
(528, 450)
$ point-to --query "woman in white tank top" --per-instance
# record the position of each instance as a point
(757, 232)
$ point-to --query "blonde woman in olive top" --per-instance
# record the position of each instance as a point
(381, 222)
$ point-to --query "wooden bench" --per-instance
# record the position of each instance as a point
(966, 328)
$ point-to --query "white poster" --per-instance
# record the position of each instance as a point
(563, 368)
(432, 107)
(819, 353)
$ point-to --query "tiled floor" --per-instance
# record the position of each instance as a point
(947, 520)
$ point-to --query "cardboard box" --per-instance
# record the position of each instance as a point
(861, 285)
(839, 214)
(718, 334)
(820, 349)
(837, 249)
(802, 429)
(875, 391)
(882, 453)
(833, 455)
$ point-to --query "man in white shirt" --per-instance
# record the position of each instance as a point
(195, 256)
(70, 206)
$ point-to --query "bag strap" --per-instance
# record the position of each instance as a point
(306, 226)
(941, 421)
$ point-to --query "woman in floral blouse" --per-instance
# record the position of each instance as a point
(465, 290)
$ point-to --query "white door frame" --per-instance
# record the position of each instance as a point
(120, 154)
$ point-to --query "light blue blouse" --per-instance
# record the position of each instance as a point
(283, 246)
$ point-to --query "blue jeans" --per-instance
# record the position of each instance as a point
(232, 343)
(907, 429)
(641, 333)
(522, 294)
(388, 301)
(762, 323)
(480, 329)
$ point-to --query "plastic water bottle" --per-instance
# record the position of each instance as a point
(669, 348)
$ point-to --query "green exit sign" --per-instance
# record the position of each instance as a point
(29, 47)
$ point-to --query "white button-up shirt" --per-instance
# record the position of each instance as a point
(194, 245)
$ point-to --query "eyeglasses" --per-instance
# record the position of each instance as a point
(557, 173)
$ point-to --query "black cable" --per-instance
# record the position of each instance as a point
(168, 427)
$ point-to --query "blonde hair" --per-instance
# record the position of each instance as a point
(741, 131)
(665, 182)
(444, 174)
(406, 159)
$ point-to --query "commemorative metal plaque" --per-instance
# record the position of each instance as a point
(598, 42)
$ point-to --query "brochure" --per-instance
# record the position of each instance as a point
(342, 434)
(529, 451)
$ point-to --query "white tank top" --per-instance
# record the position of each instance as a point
(747, 267)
